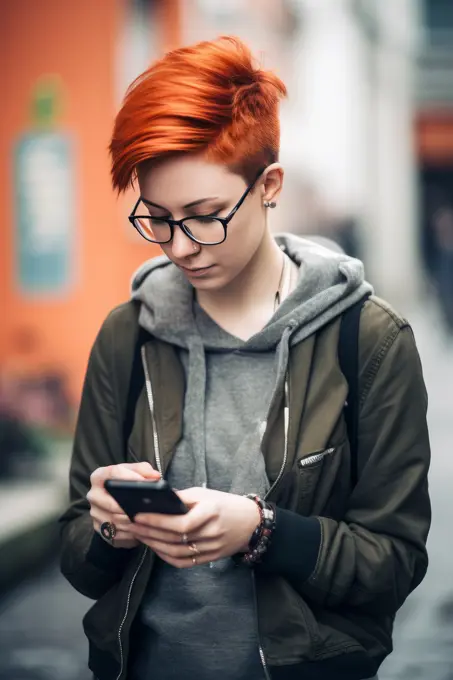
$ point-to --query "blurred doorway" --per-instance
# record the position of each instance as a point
(436, 193)
(435, 146)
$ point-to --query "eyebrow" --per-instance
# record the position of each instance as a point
(192, 204)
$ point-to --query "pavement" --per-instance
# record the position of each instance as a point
(41, 636)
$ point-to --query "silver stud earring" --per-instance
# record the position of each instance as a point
(270, 204)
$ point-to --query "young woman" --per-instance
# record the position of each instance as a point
(283, 567)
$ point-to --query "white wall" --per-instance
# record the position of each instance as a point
(391, 234)
(351, 133)
(324, 132)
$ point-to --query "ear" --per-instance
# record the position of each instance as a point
(272, 182)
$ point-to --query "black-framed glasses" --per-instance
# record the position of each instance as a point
(206, 230)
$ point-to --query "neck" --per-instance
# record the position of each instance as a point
(255, 286)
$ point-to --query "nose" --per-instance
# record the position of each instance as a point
(181, 245)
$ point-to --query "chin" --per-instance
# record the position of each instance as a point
(208, 282)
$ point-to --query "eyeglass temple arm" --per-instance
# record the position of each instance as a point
(244, 196)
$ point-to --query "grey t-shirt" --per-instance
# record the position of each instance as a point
(200, 623)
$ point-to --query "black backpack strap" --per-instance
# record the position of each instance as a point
(348, 356)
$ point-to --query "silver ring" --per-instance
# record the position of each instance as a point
(193, 549)
(184, 539)
(194, 561)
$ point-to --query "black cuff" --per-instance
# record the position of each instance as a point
(105, 556)
(294, 549)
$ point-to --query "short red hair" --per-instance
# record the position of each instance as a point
(208, 98)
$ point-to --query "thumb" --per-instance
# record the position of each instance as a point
(192, 496)
(144, 469)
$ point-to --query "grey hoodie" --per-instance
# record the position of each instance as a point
(231, 386)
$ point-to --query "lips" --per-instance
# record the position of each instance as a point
(194, 270)
(197, 272)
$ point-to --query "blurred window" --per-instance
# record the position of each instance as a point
(137, 43)
(439, 20)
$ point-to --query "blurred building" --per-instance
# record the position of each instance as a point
(368, 120)
(348, 141)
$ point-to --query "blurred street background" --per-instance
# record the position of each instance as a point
(367, 145)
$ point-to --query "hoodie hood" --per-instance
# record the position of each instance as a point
(329, 283)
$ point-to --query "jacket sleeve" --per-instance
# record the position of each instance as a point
(377, 555)
(87, 561)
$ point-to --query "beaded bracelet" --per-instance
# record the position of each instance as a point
(261, 537)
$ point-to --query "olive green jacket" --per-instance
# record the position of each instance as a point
(336, 620)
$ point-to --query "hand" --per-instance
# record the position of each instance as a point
(105, 509)
(219, 524)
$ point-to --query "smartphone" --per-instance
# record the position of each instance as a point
(139, 497)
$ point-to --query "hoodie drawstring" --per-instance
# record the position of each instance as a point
(196, 394)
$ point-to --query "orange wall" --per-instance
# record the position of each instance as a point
(76, 40)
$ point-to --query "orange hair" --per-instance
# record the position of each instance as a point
(208, 98)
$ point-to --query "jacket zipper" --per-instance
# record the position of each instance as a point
(126, 612)
(149, 392)
(267, 674)
(315, 457)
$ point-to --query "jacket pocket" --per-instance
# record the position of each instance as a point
(319, 478)
(288, 629)
(315, 458)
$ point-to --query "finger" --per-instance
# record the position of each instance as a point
(143, 531)
(128, 471)
(190, 523)
(99, 498)
(98, 495)
(120, 471)
(188, 563)
(193, 495)
(200, 517)
(143, 468)
(168, 523)
(183, 552)
(120, 520)
(206, 533)
(203, 509)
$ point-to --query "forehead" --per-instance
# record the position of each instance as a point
(182, 179)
